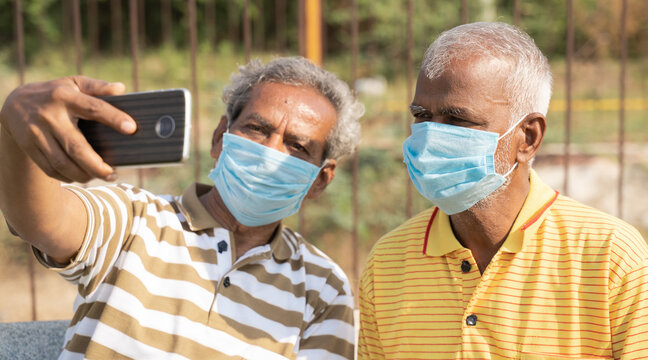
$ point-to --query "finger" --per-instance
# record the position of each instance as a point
(78, 150)
(95, 87)
(41, 157)
(60, 160)
(91, 108)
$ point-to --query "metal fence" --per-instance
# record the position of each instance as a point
(308, 22)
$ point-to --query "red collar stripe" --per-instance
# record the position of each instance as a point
(547, 205)
(427, 231)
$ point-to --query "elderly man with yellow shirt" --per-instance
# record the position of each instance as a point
(503, 267)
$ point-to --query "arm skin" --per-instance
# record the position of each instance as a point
(40, 146)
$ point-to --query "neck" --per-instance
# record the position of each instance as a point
(484, 227)
(245, 237)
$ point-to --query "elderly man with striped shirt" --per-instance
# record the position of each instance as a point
(209, 274)
(503, 267)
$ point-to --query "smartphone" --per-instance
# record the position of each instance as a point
(163, 120)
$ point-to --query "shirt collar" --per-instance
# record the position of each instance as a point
(198, 218)
(194, 211)
(539, 199)
(279, 245)
(533, 212)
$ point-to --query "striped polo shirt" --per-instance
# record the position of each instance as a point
(158, 278)
(569, 282)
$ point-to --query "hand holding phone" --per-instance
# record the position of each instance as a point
(39, 127)
(163, 120)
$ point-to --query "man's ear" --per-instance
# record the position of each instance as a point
(217, 137)
(325, 176)
(534, 127)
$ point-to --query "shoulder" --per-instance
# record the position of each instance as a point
(123, 198)
(409, 234)
(121, 192)
(569, 213)
(318, 266)
(625, 246)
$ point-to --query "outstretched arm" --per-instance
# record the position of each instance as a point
(40, 146)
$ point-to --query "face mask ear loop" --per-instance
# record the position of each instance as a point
(511, 170)
(512, 127)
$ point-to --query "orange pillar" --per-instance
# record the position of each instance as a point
(313, 12)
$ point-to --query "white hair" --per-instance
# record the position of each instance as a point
(529, 80)
(345, 135)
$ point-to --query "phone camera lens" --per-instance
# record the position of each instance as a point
(165, 126)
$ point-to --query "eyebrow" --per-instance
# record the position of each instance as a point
(265, 124)
(417, 109)
(454, 111)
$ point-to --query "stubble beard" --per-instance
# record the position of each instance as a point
(501, 167)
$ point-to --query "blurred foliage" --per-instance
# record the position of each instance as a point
(382, 25)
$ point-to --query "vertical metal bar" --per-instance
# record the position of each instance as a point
(233, 21)
(568, 93)
(67, 24)
(516, 13)
(165, 14)
(117, 36)
(410, 85)
(134, 43)
(464, 11)
(20, 50)
(20, 46)
(622, 90)
(193, 41)
(246, 29)
(322, 30)
(355, 241)
(134, 47)
(93, 26)
(301, 24)
(280, 24)
(259, 27)
(76, 15)
(141, 23)
(210, 22)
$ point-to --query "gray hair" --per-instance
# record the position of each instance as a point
(529, 80)
(345, 135)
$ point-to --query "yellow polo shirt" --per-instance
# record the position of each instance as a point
(569, 282)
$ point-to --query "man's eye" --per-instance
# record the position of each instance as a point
(253, 127)
(298, 147)
(423, 116)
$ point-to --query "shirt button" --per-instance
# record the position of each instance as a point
(465, 266)
(471, 320)
(222, 246)
(226, 281)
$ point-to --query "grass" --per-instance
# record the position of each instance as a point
(382, 176)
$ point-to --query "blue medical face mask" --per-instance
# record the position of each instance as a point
(260, 185)
(453, 166)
